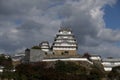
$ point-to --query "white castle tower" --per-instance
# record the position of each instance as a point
(44, 46)
(65, 42)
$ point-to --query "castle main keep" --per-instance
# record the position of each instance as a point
(65, 43)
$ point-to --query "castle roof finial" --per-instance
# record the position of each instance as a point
(64, 27)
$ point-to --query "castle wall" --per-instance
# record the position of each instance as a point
(65, 52)
(36, 55)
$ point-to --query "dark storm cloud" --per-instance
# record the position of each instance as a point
(12, 7)
(24, 23)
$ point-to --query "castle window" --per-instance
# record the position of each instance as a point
(45, 53)
(53, 53)
(66, 52)
(62, 53)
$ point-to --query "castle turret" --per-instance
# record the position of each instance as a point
(44, 46)
(65, 42)
(27, 55)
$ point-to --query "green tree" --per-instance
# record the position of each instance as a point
(6, 62)
(114, 74)
(66, 67)
(30, 71)
(36, 47)
(96, 74)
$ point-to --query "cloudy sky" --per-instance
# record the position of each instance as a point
(95, 23)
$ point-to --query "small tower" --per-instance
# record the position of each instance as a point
(65, 42)
(45, 46)
(27, 55)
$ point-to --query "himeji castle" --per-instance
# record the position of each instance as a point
(65, 48)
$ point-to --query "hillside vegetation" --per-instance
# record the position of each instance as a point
(57, 71)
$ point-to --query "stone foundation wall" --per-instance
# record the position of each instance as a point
(36, 55)
(65, 52)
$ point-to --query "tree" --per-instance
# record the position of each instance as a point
(96, 74)
(36, 47)
(87, 55)
(115, 73)
(6, 62)
(30, 71)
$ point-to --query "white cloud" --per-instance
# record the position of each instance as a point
(105, 50)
